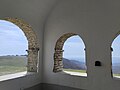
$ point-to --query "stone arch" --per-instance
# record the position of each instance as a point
(33, 46)
(58, 53)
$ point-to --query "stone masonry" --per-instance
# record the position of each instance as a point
(33, 46)
(58, 54)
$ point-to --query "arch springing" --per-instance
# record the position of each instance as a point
(61, 56)
(33, 46)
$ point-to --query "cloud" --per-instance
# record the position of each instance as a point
(74, 47)
(116, 47)
(13, 40)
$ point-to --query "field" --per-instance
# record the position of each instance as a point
(12, 64)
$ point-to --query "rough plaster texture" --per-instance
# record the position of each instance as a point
(98, 23)
(35, 14)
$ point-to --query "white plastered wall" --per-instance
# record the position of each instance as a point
(34, 12)
(97, 22)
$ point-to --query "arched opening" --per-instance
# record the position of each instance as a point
(13, 46)
(74, 56)
(32, 47)
(115, 48)
(69, 55)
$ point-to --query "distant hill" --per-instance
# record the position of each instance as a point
(116, 68)
(73, 64)
(12, 64)
(13, 61)
(116, 65)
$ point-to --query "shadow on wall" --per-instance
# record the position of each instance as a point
(45, 86)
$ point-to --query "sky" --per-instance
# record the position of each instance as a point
(74, 48)
(12, 39)
(116, 47)
(14, 42)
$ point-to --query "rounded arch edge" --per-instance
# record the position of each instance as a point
(58, 52)
(33, 45)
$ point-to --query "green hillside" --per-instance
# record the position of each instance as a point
(12, 64)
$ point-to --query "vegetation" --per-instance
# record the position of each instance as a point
(12, 64)
(116, 75)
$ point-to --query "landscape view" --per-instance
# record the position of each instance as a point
(80, 66)
(13, 46)
(12, 64)
(13, 55)
(116, 66)
(116, 56)
(74, 56)
(74, 67)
